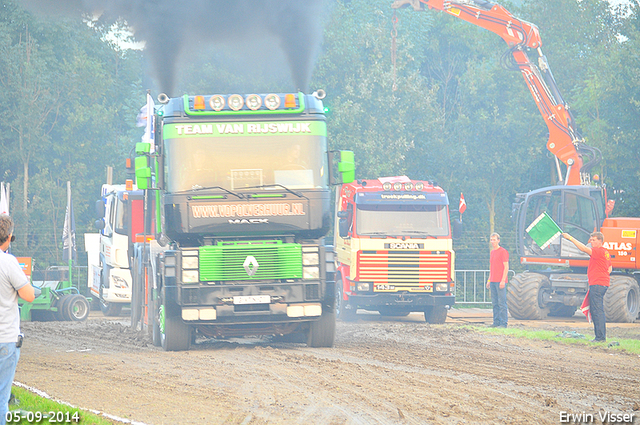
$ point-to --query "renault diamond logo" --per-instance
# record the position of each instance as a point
(251, 265)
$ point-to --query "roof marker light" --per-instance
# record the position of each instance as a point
(289, 100)
(254, 102)
(216, 102)
(236, 102)
(272, 101)
(198, 102)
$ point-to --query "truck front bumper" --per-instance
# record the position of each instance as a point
(266, 303)
(415, 302)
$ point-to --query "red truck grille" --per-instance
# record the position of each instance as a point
(407, 268)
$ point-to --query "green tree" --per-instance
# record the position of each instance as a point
(69, 102)
(380, 124)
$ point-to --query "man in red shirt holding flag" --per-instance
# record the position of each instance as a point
(598, 275)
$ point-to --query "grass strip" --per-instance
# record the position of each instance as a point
(628, 345)
(34, 409)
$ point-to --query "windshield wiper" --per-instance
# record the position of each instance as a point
(416, 232)
(385, 234)
(277, 185)
(197, 188)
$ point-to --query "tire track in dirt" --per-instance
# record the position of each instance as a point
(380, 372)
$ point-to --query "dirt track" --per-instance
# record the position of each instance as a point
(380, 372)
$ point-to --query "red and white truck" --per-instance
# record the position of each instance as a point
(394, 248)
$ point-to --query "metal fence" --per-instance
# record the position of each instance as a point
(471, 287)
(61, 273)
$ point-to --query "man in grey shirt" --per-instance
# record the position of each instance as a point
(13, 283)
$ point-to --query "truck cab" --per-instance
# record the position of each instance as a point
(120, 209)
(242, 187)
(394, 249)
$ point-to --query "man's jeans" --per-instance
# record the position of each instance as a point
(9, 355)
(499, 301)
(596, 306)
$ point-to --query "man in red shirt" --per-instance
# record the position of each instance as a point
(598, 275)
(497, 282)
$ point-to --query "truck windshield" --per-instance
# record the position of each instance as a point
(402, 220)
(237, 161)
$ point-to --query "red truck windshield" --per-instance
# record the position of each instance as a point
(402, 220)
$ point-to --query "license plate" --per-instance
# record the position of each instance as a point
(252, 299)
(385, 288)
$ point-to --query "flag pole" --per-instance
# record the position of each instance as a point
(68, 223)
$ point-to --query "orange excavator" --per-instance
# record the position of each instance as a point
(576, 203)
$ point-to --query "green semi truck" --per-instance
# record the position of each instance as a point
(237, 190)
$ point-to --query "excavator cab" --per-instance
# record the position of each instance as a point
(578, 210)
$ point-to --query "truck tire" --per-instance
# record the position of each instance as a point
(175, 335)
(622, 300)
(110, 309)
(524, 296)
(342, 312)
(77, 308)
(322, 332)
(435, 314)
(60, 305)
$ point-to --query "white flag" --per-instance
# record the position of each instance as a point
(69, 252)
(4, 202)
(149, 128)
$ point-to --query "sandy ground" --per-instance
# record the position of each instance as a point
(381, 371)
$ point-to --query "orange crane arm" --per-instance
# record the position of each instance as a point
(564, 140)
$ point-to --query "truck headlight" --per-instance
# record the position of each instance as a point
(190, 276)
(310, 259)
(441, 287)
(310, 256)
(189, 262)
(363, 286)
(311, 272)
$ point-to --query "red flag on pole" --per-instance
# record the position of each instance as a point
(463, 205)
(585, 307)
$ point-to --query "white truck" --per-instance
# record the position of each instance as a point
(120, 212)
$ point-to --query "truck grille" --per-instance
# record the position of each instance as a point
(407, 268)
(275, 260)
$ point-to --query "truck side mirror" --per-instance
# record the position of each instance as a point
(143, 172)
(100, 225)
(343, 224)
(457, 229)
(346, 167)
(100, 208)
(343, 228)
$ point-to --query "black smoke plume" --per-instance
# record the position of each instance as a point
(168, 27)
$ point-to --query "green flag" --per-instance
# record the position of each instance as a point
(544, 230)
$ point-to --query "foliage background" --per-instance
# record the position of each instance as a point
(69, 96)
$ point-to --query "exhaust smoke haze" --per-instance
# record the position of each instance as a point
(168, 27)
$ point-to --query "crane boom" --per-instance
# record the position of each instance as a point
(564, 141)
